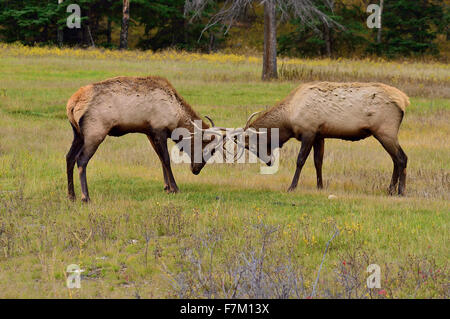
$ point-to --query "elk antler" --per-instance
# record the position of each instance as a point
(234, 133)
(214, 125)
(212, 130)
(209, 119)
(247, 128)
(241, 131)
(199, 128)
(249, 119)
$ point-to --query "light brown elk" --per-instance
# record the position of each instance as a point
(121, 105)
(348, 111)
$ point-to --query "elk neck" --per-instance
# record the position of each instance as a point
(186, 121)
(273, 118)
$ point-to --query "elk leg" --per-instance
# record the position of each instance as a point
(71, 157)
(89, 148)
(402, 171)
(319, 146)
(166, 180)
(161, 148)
(394, 179)
(305, 149)
(399, 159)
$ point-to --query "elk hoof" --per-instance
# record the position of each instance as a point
(391, 190)
(166, 187)
(291, 188)
(71, 197)
(86, 200)
(172, 190)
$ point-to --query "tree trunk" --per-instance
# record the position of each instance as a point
(270, 42)
(86, 40)
(125, 22)
(90, 36)
(327, 38)
(379, 29)
(211, 45)
(108, 31)
(60, 30)
(328, 30)
(60, 37)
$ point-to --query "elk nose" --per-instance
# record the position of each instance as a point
(196, 170)
(271, 161)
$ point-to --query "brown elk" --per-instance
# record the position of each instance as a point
(121, 105)
(348, 111)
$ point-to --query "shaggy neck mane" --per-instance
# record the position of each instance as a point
(189, 111)
(275, 117)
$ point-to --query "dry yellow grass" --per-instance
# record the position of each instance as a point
(41, 233)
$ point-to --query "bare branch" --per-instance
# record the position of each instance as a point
(231, 10)
(321, 264)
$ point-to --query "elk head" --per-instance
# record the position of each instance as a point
(202, 143)
(257, 141)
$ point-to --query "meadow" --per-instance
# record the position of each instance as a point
(230, 232)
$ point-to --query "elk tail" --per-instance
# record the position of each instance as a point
(77, 107)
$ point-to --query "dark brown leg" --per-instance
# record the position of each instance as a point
(399, 159)
(307, 143)
(319, 146)
(71, 157)
(160, 144)
(89, 148)
(394, 179)
(166, 180)
(402, 172)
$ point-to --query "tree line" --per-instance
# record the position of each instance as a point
(312, 28)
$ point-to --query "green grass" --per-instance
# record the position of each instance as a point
(41, 232)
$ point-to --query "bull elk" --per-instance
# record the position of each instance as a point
(121, 105)
(347, 111)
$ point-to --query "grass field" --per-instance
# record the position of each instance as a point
(231, 232)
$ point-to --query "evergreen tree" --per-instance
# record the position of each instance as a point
(28, 21)
(320, 39)
(166, 26)
(409, 27)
